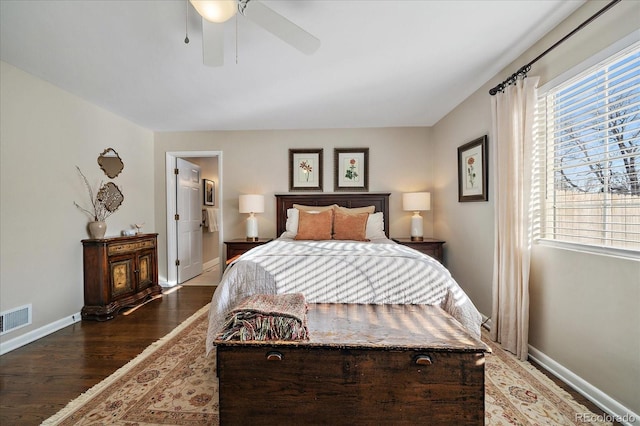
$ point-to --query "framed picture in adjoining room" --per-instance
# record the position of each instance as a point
(473, 172)
(351, 169)
(305, 169)
(209, 189)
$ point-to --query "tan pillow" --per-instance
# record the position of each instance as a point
(350, 226)
(356, 210)
(313, 208)
(314, 226)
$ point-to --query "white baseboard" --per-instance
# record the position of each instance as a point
(211, 264)
(486, 321)
(32, 336)
(617, 411)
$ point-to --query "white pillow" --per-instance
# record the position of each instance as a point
(291, 227)
(375, 226)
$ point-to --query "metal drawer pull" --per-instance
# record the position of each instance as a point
(423, 360)
(274, 356)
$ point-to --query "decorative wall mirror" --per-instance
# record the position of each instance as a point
(111, 196)
(110, 162)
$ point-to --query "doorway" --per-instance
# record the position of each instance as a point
(210, 163)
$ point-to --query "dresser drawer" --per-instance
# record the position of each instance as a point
(120, 248)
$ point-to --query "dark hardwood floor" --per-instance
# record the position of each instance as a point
(39, 379)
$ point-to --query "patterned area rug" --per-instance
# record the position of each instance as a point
(516, 393)
(173, 383)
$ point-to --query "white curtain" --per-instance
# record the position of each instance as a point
(512, 120)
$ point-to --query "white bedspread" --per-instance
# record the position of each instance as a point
(341, 272)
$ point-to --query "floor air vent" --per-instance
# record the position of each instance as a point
(15, 318)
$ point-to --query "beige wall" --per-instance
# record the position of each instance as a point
(44, 133)
(257, 162)
(466, 227)
(585, 312)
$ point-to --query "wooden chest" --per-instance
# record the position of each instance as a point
(363, 364)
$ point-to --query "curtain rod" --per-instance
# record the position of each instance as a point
(526, 68)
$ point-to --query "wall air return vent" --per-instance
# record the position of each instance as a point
(15, 318)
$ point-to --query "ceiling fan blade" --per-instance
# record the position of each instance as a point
(212, 44)
(280, 26)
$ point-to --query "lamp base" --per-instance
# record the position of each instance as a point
(416, 227)
(252, 228)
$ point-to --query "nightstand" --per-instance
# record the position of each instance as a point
(429, 246)
(239, 246)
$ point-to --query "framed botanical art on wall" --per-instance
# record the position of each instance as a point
(305, 170)
(351, 169)
(473, 171)
(209, 192)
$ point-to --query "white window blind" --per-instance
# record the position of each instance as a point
(589, 136)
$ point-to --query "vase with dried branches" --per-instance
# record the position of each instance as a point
(102, 206)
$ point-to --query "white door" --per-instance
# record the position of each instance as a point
(189, 221)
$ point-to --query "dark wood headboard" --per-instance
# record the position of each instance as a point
(286, 201)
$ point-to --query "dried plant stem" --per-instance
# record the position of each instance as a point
(99, 212)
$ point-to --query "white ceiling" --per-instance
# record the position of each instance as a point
(381, 63)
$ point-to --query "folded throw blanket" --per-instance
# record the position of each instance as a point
(267, 317)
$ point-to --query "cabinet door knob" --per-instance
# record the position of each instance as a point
(423, 360)
(274, 356)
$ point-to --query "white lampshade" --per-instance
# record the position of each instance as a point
(251, 203)
(416, 201)
(217, 11)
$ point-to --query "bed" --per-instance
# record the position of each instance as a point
(391, 336)
(378, 271)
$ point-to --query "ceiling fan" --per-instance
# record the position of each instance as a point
(216, 12)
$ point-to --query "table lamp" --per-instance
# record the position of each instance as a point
(252, 203)
(416, 202)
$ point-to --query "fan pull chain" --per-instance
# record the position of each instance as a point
(236, 39)
(186, 22)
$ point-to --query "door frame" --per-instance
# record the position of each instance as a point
(172, 229)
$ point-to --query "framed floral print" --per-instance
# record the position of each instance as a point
(351, 169)
(473, 171)
(305, 170)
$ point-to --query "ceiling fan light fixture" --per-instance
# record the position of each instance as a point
(216, 11)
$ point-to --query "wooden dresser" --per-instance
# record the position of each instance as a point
(118, 272)
(363, 364)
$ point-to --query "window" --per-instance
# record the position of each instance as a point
(589, 136)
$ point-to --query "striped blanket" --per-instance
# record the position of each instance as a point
(341, 272)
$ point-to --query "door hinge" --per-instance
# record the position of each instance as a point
(177, 262)
(176, 171)
(177, 216)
